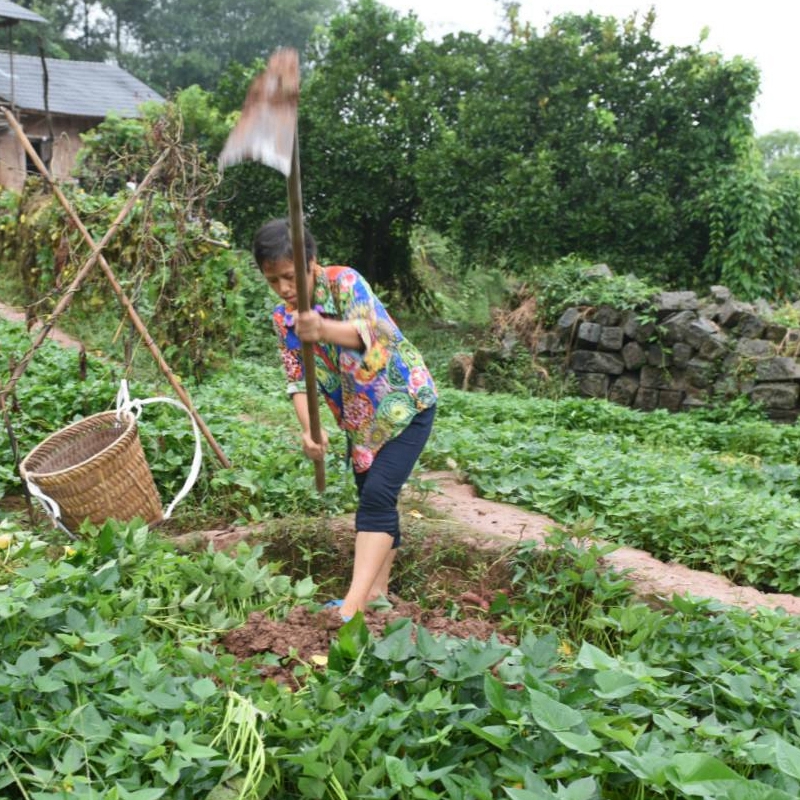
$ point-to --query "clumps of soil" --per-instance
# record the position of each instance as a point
(305, 635)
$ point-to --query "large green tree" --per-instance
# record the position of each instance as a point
(781, 152)
(590, 139)
(172, 44)
(185, 42)
(72, 30)
(362, 129)
(362, 138)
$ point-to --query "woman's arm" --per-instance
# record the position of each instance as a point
(313, 450)
(312, 327)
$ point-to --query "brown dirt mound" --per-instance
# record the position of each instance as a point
(305, 635)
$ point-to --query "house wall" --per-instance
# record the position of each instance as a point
(66, 144)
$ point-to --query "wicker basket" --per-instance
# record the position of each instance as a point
(95, 469)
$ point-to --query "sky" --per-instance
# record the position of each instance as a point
(764, 32)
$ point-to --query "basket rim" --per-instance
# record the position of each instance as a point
(123, 415)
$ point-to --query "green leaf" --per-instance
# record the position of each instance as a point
(689, 768)
(305, 588)
(139, 794)
(552, 715)
(614, 685)
(88, 723)
(192, 750)
(165, 700)
(591, 657)
(48, 607)
(398, 646)
(525, 794)
(71, 760)
(474, 658)
(647, 767)
(500, 697)
(46, 684)
(95, 638)
(585, 743)
(398, 772)
(27, 664)
(429, 648)
(169, 770)
(498, 736)
(581, 789)
(787, 758)
(204, 688)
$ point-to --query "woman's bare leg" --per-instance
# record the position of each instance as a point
(372, 551)
(380, 586)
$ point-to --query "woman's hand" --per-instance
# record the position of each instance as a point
(308, 326)
(315, 450)
(312, 327)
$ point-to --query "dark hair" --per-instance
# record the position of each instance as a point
(273, 242)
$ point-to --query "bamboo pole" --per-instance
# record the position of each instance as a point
(118, 290)
(12, 440)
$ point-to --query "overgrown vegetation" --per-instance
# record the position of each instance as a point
(573, 282)
(175, 263)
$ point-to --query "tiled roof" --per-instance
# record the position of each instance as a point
(13, 11)
(75, 88)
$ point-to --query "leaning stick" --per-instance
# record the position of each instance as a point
(118, 290)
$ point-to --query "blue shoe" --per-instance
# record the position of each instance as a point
(338, 604)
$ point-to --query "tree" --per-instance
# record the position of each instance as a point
(126, 19)
(185, 42)
(589, 139)
(361, 131)
(781, 152)
(360, 140)
(71, 31)
(172, 44)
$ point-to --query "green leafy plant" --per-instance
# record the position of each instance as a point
(573, 282)
(101, 639)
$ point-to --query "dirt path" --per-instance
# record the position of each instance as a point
(18, 315)
(652, 578)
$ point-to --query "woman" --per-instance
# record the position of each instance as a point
(375, 383)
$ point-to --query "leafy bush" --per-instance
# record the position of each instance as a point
(110, 677)
(572, 282)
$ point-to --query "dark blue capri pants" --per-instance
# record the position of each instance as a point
(379, 487)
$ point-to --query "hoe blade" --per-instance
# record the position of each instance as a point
(266, 129)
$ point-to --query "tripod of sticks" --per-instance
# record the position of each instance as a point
(95, 257)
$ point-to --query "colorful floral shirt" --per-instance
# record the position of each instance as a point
(373, 394)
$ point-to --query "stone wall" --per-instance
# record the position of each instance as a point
(683, 353)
